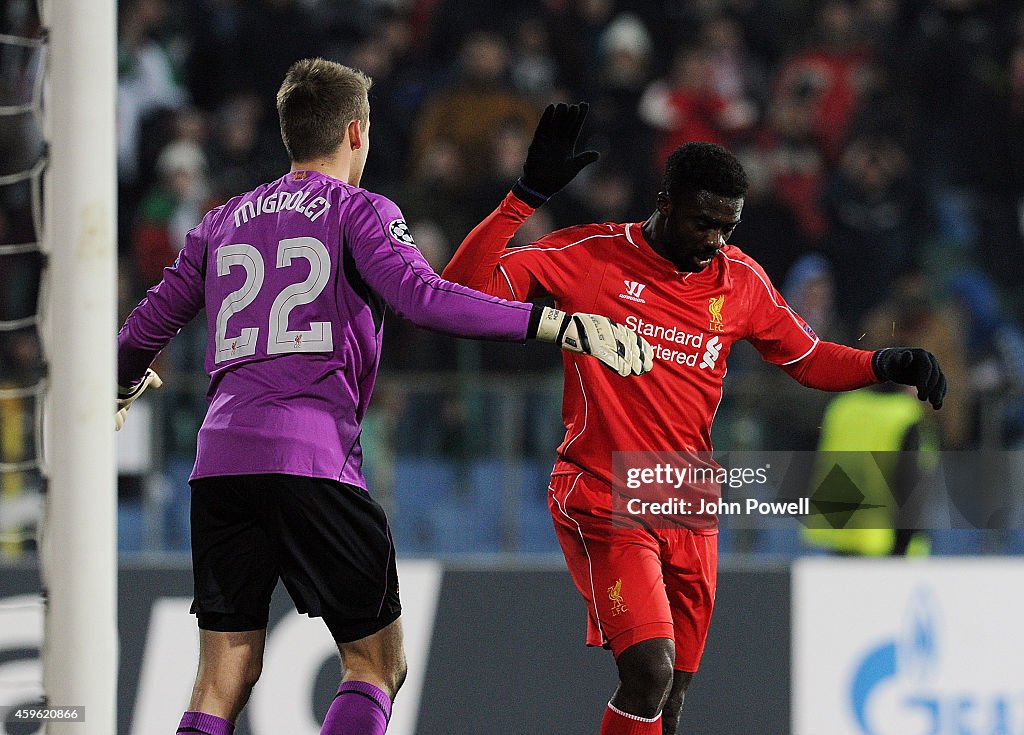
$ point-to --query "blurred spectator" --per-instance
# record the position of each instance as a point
(911, 315)
(950, 61)
(796, 163)
(876, 221)
(450, 22)
(426, 422)
(622, 68)
(687, 106)
(995, 359)
(147, 79)
(810, 288)
(881, 442)
(578, 25)
(275, 33)
(607, 194)
(241, 153)
(625, 51)
(148, 83)
(772, 30)
(171, 209)
(474, 108)
(213, 67)
(537, 225)
(534, 71)
(436, 189)
(1001, 186)
(793, 417)
(505, 163)
(769, 232)
(832, 74)
(738, 76)
(399, 86)
(433, 201)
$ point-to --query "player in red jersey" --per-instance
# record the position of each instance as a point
(676, 281)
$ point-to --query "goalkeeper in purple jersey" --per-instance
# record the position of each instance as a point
(295, 277)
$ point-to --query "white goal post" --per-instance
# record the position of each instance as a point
(79, 536)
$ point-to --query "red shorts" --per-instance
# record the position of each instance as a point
(638, 583)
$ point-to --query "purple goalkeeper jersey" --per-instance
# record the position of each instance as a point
(294, 277)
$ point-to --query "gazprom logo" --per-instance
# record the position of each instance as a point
(898, 687)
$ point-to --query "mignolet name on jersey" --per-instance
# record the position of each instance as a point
(280, 202)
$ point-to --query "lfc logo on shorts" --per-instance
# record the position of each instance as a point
(715, 309)
(615, 595)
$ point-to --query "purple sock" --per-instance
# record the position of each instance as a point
(358, 708)
(204, 724)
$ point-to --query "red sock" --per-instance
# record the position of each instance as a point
(617, 722)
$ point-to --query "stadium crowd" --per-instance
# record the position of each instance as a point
(884, 141)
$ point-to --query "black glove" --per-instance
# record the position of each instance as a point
(912, 366)
(551, 162)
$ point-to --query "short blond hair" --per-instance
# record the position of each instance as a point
(316, 102)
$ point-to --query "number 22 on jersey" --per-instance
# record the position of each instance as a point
(281, 340)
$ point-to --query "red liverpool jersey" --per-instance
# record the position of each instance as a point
(690, 319)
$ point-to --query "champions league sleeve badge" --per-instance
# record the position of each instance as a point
(400, 231)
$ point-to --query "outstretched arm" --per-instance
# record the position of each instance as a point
(836, 367)
(782, 337)
(389, 262)
(475, 263)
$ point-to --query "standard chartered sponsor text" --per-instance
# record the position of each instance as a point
(656, 334)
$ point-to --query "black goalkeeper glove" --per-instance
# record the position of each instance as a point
(551, 161)
(912, 366)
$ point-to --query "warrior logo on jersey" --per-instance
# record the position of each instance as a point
(633, 291)
(615, 595)
(715, 309)
(400, 231)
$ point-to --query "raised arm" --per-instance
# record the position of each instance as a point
(475, 263)
(551, 163)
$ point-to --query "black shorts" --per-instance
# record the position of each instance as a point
(327, 541)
